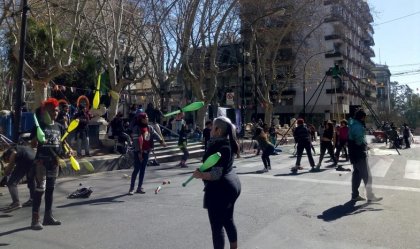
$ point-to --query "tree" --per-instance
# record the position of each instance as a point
(269, 26)
(125, 40)
(52, 36)
(200, 66)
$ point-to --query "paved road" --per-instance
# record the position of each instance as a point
(275, 210)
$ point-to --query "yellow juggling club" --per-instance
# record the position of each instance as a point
(73, 125)
(74, 164)
(97, 97)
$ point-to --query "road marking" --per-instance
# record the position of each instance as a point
(342, 183)
(380, 168)
(412, 170)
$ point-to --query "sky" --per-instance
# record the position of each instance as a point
(397, 42)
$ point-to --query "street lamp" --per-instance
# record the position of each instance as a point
(304, 79)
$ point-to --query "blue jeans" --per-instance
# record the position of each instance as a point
(82, 140)
(139, 167)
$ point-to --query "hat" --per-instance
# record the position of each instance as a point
(300, 121)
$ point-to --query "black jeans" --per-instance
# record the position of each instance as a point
(266, 156)
(327, 145)
(222, 218)
(342, 144)
(18, 173)
(299, 151)
(361, 172)
(46, 173)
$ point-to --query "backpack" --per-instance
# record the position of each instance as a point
(81, 193)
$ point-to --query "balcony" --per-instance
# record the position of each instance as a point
(332, 37)
(335, 90)
(369, 52)
(332, 55)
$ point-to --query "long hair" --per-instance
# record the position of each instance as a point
(228, 130)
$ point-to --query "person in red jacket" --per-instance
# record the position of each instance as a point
(143, 135)
(342, 138)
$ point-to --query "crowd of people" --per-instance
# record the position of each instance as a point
(222, 185)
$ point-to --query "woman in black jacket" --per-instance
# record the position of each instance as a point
(222, 185)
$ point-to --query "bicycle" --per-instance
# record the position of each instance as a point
(126, 159)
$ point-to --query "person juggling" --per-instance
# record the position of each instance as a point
(46, 161)
(222, 185)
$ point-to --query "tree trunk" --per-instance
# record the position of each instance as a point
(201, 117)
(113, 107)
(40, 93)
(268, 112)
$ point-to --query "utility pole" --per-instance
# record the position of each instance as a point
(19, 78)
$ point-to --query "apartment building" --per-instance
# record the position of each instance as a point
(343, 36)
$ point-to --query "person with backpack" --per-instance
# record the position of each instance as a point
(143, 136)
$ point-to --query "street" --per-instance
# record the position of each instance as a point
(275, 209)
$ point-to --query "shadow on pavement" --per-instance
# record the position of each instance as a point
(348, 208)
(301, 173)
(13, 231)
(100, 201)
(251, 172)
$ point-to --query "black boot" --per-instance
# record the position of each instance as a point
(49, 220)
(36, 225)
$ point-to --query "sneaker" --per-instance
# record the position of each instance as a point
(28, 203)
(131, 192)
(375, 199)
(12, 207)
(269, 167)
(294, 170)
(358, 198)
(140, 191)
(314, 169)
(265, 170)
(184, 166)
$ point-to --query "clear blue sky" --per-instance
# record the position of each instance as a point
(397, 42)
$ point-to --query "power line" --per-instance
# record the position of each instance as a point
(396, 19)
(406, 65)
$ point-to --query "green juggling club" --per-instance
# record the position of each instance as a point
(189, 108)
(210, 162)
(39, 133)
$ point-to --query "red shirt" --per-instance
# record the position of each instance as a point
(145, 139)
(343, 133)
